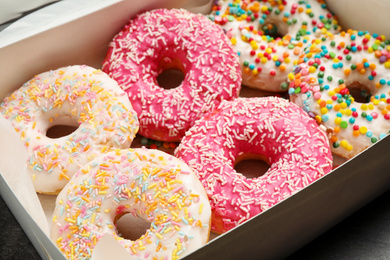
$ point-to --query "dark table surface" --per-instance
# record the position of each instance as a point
(364, 235)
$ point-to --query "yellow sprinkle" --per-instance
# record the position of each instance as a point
(174, 213)
(178, 204)
(93, 217)
(363, 130)
(159, 236)
(344, 143)
(70, 220)
(201, 208)
(157, 194)
(167, 230)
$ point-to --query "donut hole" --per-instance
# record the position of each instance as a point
(58, 131)
(170, 78)
(61, 126)
(251, 165)
(130, 226)
(360, 92)
(170, 73)
(273, 30)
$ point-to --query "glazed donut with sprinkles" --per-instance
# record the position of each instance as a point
(149, 184)
(343, 82)
(164, 39)
(270, 35)
(270, 128)
(78, 96)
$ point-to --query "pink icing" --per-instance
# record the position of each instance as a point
(296, 149)
(176, 38)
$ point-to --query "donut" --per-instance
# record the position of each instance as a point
(149, 184)
(269, 36)
(271, 129)
(78, 96)
(163, 39)
(343, 82)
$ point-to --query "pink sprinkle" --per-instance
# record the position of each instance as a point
(317, 95)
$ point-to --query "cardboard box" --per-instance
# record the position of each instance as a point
(80, 34)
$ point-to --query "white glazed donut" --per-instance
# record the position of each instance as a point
(147, 183)
(78, 96)
(269, 35)
(343, 82)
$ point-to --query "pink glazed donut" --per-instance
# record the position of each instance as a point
(173, 39)
(272, 129)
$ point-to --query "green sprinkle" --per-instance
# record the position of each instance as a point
(284, 85)
(344, 124)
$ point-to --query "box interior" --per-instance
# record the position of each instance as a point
(275, 233)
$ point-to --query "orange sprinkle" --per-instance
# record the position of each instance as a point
(312, 80)
(297, 82)
(297, 50)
